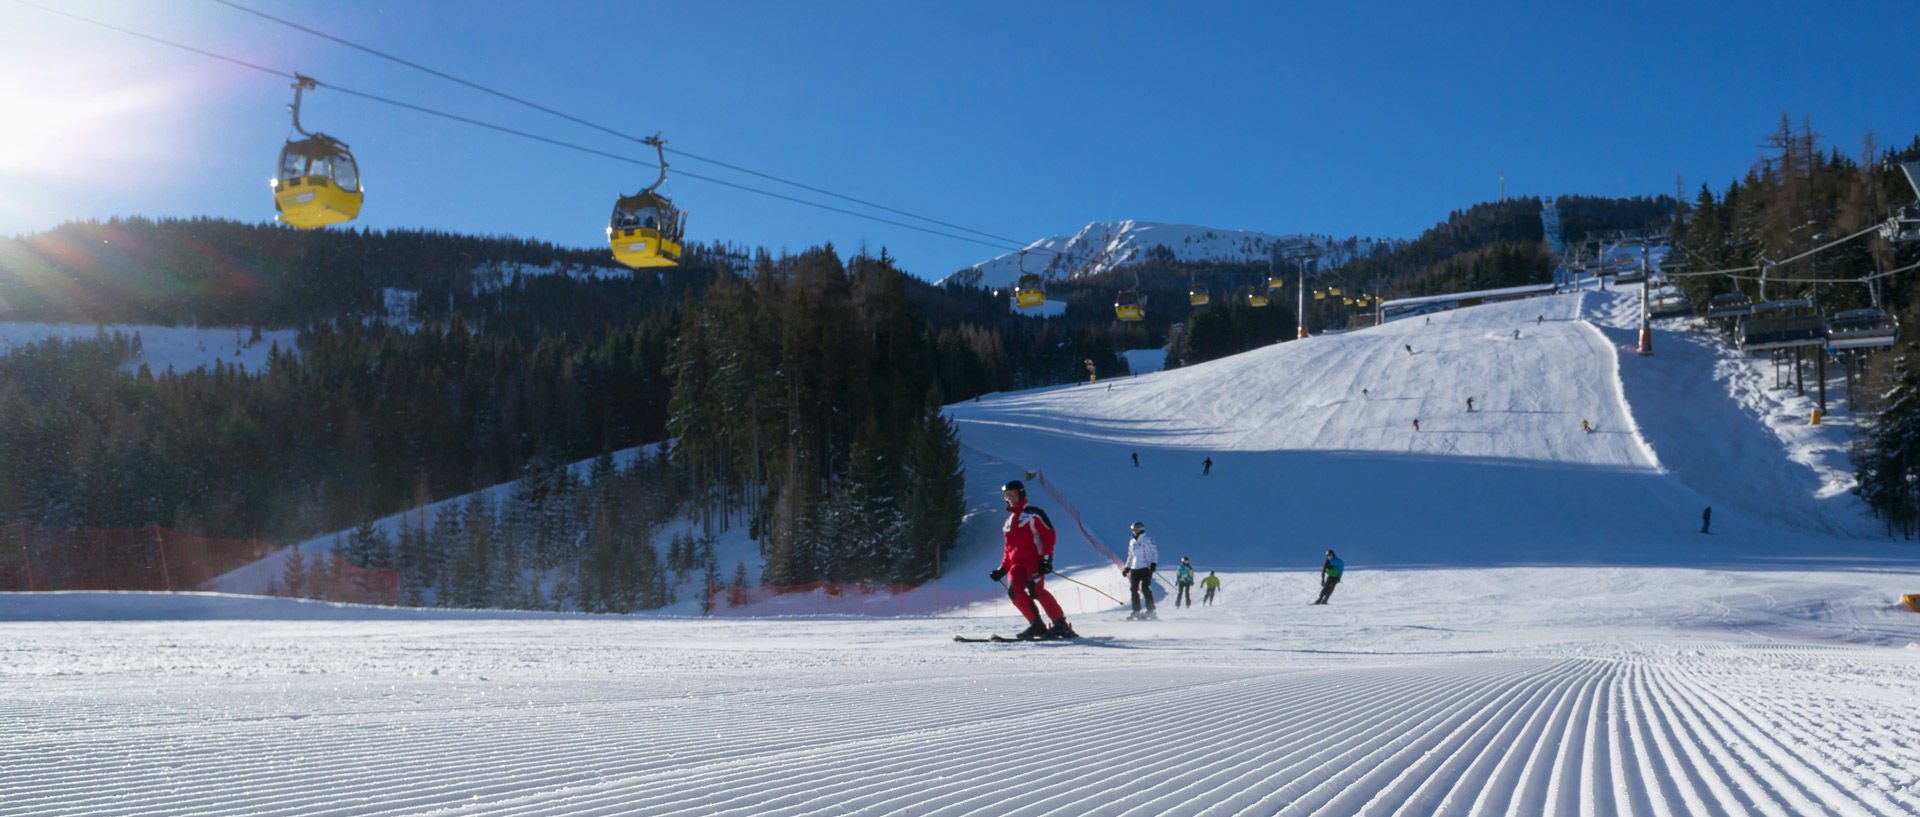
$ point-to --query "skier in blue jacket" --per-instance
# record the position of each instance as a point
(1330, 571)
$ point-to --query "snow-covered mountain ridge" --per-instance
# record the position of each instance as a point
(1104, 245)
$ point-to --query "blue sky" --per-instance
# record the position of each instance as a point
(1019, 120)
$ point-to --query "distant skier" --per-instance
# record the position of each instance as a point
(1212, 585)
(1366, 395)
(1330, 571)
(1409, 347)
(1537, 320)
(1706, 519)
(1416, 424)
(1206, 466)
(1026, 561)
(1516, 334)
(1586, 426)
(1183, 583)
(1136, 459)
(1142, 558)
(1469, 405)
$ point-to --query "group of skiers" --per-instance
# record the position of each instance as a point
(1028, 557)
(1143, 558)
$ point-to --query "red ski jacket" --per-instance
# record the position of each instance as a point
(1029, 536)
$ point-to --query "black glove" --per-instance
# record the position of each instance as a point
(1153, 567)
(1126, 571)
(1046, 565)
(997, 574)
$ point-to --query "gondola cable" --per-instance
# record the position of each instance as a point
(602, 128)
(521, 133)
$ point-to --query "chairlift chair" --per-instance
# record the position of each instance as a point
(645, 229)
(1904, 226)
(317, 182)
(1866, 328)
(1729, 305)
(1669, 305)
(1781, 324)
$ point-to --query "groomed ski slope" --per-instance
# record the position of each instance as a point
(1532, 624)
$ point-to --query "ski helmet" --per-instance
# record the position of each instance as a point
(1015, 485)
(1139, 526)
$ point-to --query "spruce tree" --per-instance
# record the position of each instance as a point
(1888, 465)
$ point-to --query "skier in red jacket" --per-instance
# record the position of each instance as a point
(1027, 561)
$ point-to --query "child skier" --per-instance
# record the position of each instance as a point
(1183, 582)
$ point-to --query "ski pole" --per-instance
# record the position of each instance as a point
(1090, 587)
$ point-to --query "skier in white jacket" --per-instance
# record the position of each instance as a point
(1142, 559)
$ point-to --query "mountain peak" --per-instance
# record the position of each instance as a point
(1105, 245)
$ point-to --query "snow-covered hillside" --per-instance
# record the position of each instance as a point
(179, 348)
(1104, 245)
(1532, 623)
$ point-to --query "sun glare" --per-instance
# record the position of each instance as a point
(56, 131)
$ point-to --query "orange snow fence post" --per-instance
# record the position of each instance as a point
(1912, 601)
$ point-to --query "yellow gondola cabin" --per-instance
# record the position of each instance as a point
(317, 182)
(645, 229)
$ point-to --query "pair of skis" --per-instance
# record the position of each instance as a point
(1006, 639)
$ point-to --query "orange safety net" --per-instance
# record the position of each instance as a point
(156, 559)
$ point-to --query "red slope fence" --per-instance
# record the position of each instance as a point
(157, 559)
(827, 598)
(1074, 514)
(1067, 507)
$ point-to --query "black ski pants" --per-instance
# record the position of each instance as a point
(1184, 594)
(1326, 588)
(1140, 583)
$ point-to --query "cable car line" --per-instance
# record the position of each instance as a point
(515, 132)
(602, 128)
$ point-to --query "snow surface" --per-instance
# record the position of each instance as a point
(1531, 624)
(1103, 245)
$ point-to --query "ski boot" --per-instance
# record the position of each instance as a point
(1033, 631)
(1061, 629)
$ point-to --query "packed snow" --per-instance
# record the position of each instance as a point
(1532, 622)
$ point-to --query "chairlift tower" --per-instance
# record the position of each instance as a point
(1646, 324)
(1300, 311)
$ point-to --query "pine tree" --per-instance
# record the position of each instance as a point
(367, 546)
(933, 501)
(293, 577)
(1888, 465)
